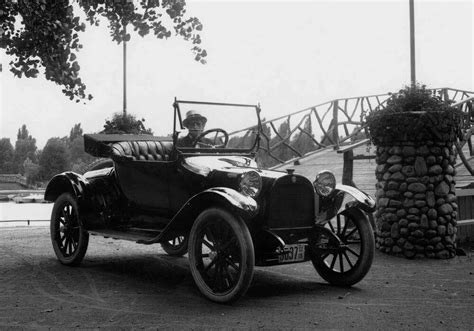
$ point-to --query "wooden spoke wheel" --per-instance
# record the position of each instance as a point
(178, 246)
(221, 255)
(346, 262)
(68, 236)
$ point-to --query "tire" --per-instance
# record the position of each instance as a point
(221, 255)
(178, 246)
(352, 261)
(68, 236)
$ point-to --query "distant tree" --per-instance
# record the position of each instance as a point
(303, 141)
(45, 34)
(6, 156)
(125, 123)
(31, 172)
(76, 131)
(25, 147)
(54, 159)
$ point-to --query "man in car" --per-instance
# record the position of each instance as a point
(195, 123)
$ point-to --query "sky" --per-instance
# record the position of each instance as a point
(285, 55)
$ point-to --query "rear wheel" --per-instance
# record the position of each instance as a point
(221, 255)
(178, 246)
(68, 236)
(347, 261)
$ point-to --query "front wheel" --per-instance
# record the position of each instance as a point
(68, 236)
(344, 259)
(221, 255)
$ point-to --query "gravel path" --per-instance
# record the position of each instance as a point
(122, 285)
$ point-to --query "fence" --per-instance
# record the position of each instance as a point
(331, 124)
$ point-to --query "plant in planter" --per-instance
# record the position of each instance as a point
(416, 202)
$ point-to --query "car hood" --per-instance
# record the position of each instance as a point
(203, 165)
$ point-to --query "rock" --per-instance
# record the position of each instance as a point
(408, 151)
(445, 209)
(450, 229)
(380, 193)
(403, 232)
(397, 176)
(401, 241)
(408, 246)
(432, 214)
(394, 159)
(401, 212)
(403, 222)
(442, 220)
(394, 233)
(442, 189)
(414, 211)
(413, 226)
(408, 195)
(419, 248)
(451, 198)
(395, 203)
(396, 249)
(408, 171)
(389, 217)
(408, 203)
(433, 241)
(422, 150)
(424, 222)
(430, 199)
(444, 254)
(380, 168)
(433, 224)
(388, 242)
(383, 202)
(403, 187)
(395, 168)
(430, 160)
(413, 218)
(429, 248)
(420, 203)
(441, 230)
(435, 150)
(417, 187)
(420, 166)
(440, 202)
(392, 185)
(392, 194)
(420, 196)
(435, 170)
(449, 170)
(410, 180)
(395, 150)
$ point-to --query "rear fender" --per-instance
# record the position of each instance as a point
(65, 182)
(344, 197)
(241, 205)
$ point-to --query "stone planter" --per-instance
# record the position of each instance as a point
(416, 201)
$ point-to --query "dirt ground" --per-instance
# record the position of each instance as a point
(123, 285)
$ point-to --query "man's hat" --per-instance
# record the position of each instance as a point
(193, 115)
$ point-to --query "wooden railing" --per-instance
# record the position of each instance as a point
(331, 124)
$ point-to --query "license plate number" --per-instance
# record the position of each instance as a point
(293, 253)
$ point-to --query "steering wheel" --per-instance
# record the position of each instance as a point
(214, 143)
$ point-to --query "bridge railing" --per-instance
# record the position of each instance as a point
(333, 124)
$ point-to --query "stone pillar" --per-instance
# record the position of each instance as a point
(416, 202)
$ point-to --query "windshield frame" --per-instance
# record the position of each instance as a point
(178, 127)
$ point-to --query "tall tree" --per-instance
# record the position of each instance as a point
(54, 158)
(6, 156)
(25, 147)
(45, 34)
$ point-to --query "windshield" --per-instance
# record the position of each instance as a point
(216, 127)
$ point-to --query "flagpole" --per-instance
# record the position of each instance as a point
(412, 42)
(124, 70)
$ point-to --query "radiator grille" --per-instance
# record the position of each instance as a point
(291, 203)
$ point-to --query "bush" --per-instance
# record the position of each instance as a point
(414, 114)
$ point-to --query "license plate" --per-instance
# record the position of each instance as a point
(293, 253)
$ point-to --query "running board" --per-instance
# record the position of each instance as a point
(139, 236)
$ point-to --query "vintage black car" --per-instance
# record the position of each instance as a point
(211, 200)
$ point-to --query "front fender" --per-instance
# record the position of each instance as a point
(345, 197)
(65, 182)
(243, 206)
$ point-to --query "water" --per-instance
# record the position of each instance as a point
(18, 214)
